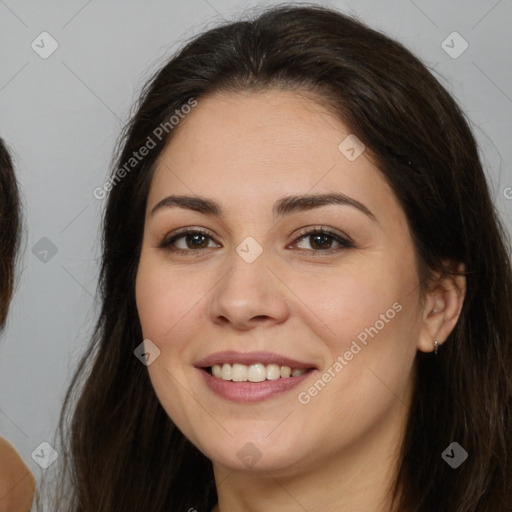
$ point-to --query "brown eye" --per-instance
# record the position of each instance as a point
(187, 241)
(196, 241)
(321, 240)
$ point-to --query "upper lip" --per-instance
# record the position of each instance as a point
(248, 358)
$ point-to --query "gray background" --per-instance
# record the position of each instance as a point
(61, 117)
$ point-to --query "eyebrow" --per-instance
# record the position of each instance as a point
(282, 207)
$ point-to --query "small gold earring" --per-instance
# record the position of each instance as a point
(436, 344)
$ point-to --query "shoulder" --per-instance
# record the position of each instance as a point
(16, 481)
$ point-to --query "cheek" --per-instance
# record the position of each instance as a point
(369, 326)
(165, 299)
(166, 302)
(357, 299)
(151, 304)
(371, 321)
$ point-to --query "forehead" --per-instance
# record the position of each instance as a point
(249, 148)
(282, 120)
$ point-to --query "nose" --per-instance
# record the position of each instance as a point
(249, 295)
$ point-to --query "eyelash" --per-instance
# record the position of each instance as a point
(345, 242)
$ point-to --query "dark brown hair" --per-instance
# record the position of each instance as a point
(124, 451)
(9, 229)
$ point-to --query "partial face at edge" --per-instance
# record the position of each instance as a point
(313, 298)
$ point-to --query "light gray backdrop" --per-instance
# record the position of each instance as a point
(61, 110)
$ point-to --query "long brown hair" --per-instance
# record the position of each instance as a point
(125, 453)
(10, 219)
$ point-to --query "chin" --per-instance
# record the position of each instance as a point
(244, 453)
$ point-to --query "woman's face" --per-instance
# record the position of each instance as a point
(258, 289)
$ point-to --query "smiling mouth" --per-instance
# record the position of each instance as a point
(257, 372)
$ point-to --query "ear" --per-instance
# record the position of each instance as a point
(442, 309)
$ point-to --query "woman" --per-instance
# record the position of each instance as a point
(306, 291)
(16, 481)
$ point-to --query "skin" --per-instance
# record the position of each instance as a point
(16, 481)
(339, 451)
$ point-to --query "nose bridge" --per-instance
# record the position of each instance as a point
(248, 290)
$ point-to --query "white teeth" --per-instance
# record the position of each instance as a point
(239, 372)
(226, 372)
(286, 371)
(273, 372)
(255, 372)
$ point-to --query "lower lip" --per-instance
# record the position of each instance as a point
(252, 391)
